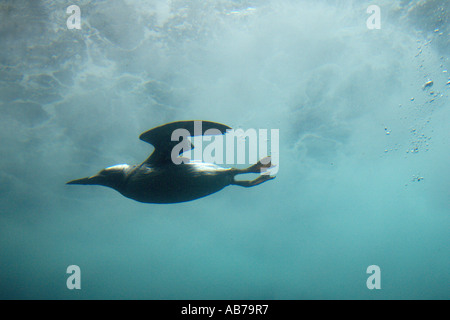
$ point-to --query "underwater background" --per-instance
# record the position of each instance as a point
(363, 119)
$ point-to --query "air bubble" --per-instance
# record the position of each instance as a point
(428, 84)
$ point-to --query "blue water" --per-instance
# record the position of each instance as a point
(364, 148)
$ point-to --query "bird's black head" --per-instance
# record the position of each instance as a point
(112, 177)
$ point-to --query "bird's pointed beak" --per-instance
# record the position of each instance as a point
(87, 180)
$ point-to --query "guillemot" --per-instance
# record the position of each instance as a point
(159, 180)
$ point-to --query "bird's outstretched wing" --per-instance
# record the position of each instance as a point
(161, 138)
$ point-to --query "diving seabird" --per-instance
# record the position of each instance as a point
(159, 180)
